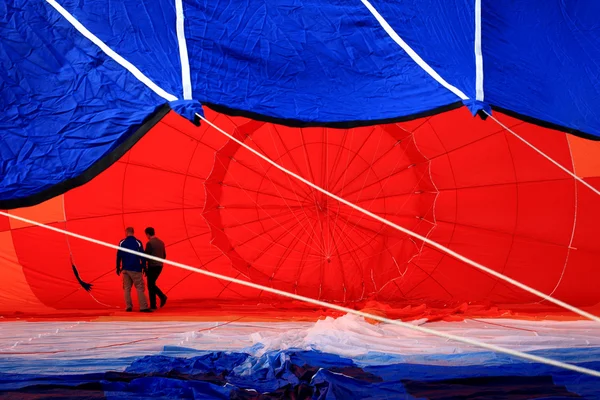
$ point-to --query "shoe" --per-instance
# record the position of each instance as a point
(146, 310)
(153, 307)
(128, 310)
(163, 301)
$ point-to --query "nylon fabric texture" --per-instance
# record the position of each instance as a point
(69, 105)
(215, 205)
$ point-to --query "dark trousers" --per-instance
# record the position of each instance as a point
(153, 290)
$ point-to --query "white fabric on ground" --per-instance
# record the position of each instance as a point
(98, 346)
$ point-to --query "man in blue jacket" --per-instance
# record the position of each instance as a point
(132, 266)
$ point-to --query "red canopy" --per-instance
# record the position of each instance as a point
(460, 181)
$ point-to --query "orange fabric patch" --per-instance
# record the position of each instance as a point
(586, 156)
(45, 213)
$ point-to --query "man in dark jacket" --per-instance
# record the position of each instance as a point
(132, 266)
(155, 247)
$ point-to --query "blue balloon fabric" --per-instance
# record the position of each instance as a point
(296, 374)
(70, 107)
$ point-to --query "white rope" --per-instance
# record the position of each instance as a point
(411, 233)
(547, 157)
(472, 342)
(573, 230)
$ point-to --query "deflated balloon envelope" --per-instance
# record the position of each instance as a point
(465, 183)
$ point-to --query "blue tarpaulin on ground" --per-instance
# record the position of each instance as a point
(315, 375)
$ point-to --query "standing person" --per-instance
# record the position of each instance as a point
(155, 247)
(132, 266)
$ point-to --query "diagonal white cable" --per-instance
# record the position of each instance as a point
(472, 342)
(111, 53)
(547, 157)
(411, 233)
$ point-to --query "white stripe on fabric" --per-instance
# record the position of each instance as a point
(416, 58)
(478, 54)
(111, 53)
(183, 53)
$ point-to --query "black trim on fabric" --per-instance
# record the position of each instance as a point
(109, 159)
(295, 123)
(93, 171)
(546, 124)
(149, 123)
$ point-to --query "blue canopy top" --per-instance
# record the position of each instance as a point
(81, 81)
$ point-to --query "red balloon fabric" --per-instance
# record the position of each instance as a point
(465, 183)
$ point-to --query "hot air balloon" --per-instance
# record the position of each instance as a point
(470, 125)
